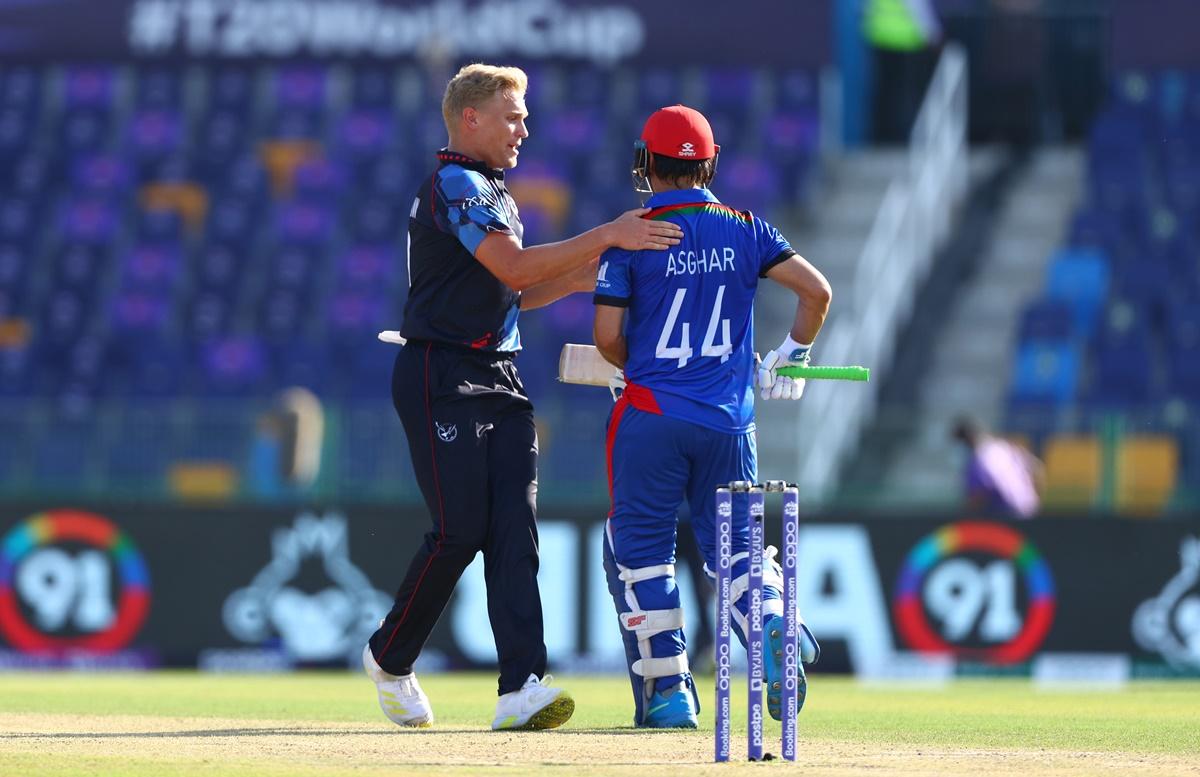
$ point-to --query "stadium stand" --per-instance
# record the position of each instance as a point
(1116, 331)
(216, 234)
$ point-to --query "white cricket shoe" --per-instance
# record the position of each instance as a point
(400, 696)
(535, 706)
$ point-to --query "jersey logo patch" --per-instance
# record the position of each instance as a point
(447, 432)
(601, 276)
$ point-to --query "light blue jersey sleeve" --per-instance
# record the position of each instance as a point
(467, 207)
(613, 278)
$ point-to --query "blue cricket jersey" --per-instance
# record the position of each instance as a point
(452, 298)
(690, 321)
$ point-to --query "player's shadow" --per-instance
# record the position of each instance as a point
(225, 732)
(317, 732)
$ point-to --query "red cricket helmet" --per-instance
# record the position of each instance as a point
(680, 132)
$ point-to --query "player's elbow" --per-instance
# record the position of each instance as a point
(512, 275)
(607, 341)
(817, 294)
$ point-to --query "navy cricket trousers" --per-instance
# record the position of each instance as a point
(474, 453)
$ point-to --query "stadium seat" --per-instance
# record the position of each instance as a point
(1147, 469)
(1073, 472)
(1079, 278)
(1046, 371)
(1047, 319)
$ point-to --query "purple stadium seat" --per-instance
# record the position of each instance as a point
(158, 226)
(575, 131)
(357, 315)
(589, 86)
(14, 268)
(796, 90)
(293, 266)
(80, 266)
(234, 365)
(15, 132)
(368, 266)
(300, 87)
(374, 220)
(207, 316)
(153, 134)
(18, 220)
(102, 174)
(20, 87)
(281, 314)
(232, 219)
(319, 178)
(152, 366)
(151, 267)
(90, 221)
(17, 365)
(30, 175)
(297, 361)
(232, 89)
(392, 176)
(364, 133)
(749, 183)
(222, 136)
(372, 87)
(219, 267)
(64, 316)
(304, 221)
(295, 124)
(89, 86)
(84, 131)
(729, 89)
(139, 313)
(246, 177)
(658, 88)
(160, 88)
(791, 133)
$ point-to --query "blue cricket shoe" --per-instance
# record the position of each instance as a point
(673, 708)
(809, 652)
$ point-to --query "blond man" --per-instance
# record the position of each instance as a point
(456, 389)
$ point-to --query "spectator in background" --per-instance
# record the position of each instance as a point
(1002, 479)
(904, 36)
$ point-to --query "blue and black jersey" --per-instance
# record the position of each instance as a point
(690, 324)
(452, 298)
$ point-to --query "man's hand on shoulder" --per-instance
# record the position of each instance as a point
(633, 233)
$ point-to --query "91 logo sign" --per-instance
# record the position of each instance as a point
(57, 592)
(958, 594)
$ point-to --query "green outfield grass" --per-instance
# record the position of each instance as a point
(328, 724)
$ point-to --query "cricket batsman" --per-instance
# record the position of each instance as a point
(680, 323)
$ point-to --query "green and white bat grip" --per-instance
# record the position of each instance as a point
(822, 372)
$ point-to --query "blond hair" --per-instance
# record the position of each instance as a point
(475, 84)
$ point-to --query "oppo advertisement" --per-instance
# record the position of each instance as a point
(262, 589)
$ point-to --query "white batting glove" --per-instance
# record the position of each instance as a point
(616, 384)
(775, 386)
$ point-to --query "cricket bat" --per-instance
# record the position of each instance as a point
(583, 365)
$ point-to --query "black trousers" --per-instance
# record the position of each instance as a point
(474, 452)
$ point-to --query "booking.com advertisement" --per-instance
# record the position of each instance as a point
(252, 588)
